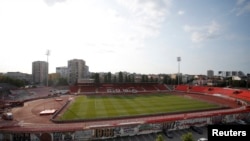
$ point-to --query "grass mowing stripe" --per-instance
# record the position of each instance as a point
(111, 106)
(117, 108)
(83, 107)
(101, 108)
(75, 109)
(131, 106)
(91, 112)
(143, 106)
(87, 107)
(108, 107)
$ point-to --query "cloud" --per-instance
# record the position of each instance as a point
(53, 2)
(237, 37)
(203, 33)
(242, 7)
(146, 16)
(181, 12)
(239, 2)
(128, 23)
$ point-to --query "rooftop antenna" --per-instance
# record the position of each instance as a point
(47, 53)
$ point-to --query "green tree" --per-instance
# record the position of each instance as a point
(173, 81)
(97, 78)
(109, 77)
(129, 78)
(120, 77)
(156, 80)
(133, 78)
(187, 137)
(12, 81)
(144, 78)
(105, 78)
(151, 79)
(159, 138)
(50, 82)
(62, 82)
(114, 80)
(126, 79)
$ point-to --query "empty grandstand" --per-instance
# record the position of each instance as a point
(118, 88)
(31, 124)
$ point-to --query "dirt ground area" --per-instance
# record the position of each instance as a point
(30, 112)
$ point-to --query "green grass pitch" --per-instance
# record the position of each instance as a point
(94, 107)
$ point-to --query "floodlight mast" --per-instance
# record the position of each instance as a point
(47, 53)
(179, 60)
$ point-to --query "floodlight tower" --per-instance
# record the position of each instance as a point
(47, 54)
(179, 60)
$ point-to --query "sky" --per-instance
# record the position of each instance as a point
(137, 36)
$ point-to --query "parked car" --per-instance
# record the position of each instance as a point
(7, 116)
(202, 139)
(241, 122)
(196, 129)
(247, 121)
(169, 134)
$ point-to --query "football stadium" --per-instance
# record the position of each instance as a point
(109, 111)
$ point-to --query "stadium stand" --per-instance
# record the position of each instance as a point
(143, 125)
(182, 88)
(73, 89)
(88, 89)
(161, 87)
(101, 89)
(118, 88)
(123, 88)
(229, 92)
(198, 89)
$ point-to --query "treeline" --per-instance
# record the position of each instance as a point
(12, 81)
(235, 83)
(126, 78)
(109, 78)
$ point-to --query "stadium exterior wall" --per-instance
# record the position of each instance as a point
(125, 129)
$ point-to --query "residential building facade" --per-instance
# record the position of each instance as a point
(19, 75)
(40, 72)
(76, 70)
(210, 73)
(63, 71)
